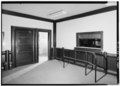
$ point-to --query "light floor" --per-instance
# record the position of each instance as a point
(16, 72)
(52, 72)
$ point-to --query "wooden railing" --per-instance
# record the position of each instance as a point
(6, 60)
(103, 60)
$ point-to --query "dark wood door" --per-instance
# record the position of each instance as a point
(24, 46)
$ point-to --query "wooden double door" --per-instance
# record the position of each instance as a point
(25, 45)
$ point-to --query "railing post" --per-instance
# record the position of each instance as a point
(6, 60)
(86, 63)
(105, 55)
(63, 57)
(95, 67)
(74, 55)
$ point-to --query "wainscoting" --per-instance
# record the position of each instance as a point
(111, 60)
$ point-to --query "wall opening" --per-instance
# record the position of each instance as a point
(43, 46)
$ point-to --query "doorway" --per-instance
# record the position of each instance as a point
(29, 45)
(23, 50)
(43, 46)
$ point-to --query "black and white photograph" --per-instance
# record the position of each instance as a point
(59, 42)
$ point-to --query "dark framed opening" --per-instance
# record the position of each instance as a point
(90, 40)
(46, 34)
(33, 44)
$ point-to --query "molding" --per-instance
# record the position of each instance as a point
(102, 10)
(25, 15)
(117, 41)
(54, 39)
(55, 2)
(117, 18)
(106, 9)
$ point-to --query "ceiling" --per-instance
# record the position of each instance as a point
(43, 10)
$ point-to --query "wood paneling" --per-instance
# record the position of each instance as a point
(24, 46)
(88, 49)
(54, 39)
(51, 52)
(112, 62)
(59, 53)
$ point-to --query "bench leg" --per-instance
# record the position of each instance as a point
(95, 74)
(85, 68)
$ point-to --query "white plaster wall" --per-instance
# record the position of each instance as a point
(106, 22)
(9, 20)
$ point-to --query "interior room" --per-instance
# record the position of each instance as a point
(59, 42)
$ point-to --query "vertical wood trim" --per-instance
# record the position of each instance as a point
(36, 46)
(13, 46)
(49, 44)
(54, 40)
(77, 40)
(117, 13)
(33, 35)
(102, 40)
(117, 41)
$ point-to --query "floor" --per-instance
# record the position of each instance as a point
(52, 72)
(16, 72)
(11, 71)
(43, 58)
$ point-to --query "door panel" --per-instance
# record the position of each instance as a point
(24, 46)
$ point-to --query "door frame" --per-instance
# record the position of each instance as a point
(35, 38)
(49, 42)
(13, 46)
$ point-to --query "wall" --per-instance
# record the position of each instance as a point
(9, 20)
(106, 22)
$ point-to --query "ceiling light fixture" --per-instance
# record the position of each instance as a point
(57, 13)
